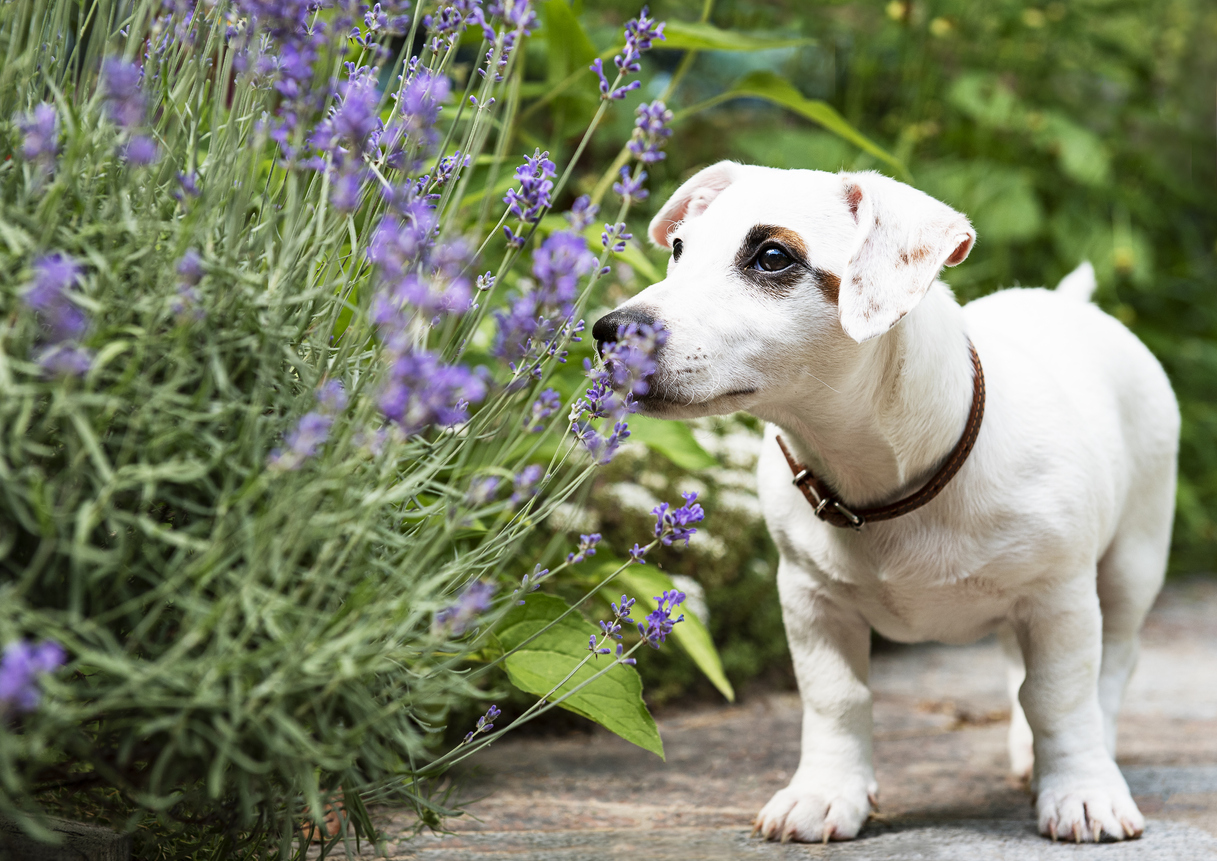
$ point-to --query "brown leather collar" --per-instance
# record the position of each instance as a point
(831, 510)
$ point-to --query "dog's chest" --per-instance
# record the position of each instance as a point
(933, 588)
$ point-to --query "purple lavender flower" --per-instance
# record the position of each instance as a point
(190, 268)
(121, 88)
(638, 554)
(484, 723)
(482, 490)
(54, 276)
(41, 130)
(520, 18)
(656, 627)
(587, 547)
(189, 184)
(65, 360)
(524, 485)
(412, 130)
(557, 265)
(621, 659)
(639, 35)
(628, 362)
(543, 407)
(332, 397)
(533, 197)
(651, 132)
(615, 236)
(401, 240)
(621, 612)
(582, 213)
(345, 187)
(20, 670)
(141, 150)
(675, 524)
(421, 391)
(517, 14)
(535, 323)
(591, 647)
(464, 611)
(631, 188)
(355, 118)
(303, 442)
(531, 582)
(446, 25)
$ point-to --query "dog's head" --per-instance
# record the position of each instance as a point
(774, 272)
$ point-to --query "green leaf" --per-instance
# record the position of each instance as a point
(567, 45)
(776, 89)
(614, 700)
(673, 440)
(699, 36)
(645, 582)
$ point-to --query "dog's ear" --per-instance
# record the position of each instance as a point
(904, 238)
(691, 199)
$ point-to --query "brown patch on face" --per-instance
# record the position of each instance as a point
(830, 286)
(768, 234)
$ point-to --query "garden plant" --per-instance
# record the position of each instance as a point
(305, 462)
(284, 394)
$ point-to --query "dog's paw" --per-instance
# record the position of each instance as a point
(1089, 814)
(815, 813)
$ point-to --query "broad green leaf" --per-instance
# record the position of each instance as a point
(644, 582)
(567, 45)
(776, 89)
(614, 700)
(699, 36)
(673, 440)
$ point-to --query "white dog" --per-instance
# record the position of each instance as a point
(810, 299)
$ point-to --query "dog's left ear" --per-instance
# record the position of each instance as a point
(904, 239)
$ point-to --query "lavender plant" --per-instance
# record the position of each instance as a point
(261, 396)
(279, 416)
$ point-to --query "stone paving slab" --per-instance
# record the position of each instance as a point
(940, 723)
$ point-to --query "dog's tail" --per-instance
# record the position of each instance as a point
(1079, 284)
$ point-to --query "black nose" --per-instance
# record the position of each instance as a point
(606, 328)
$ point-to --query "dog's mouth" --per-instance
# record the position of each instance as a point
(658, 402)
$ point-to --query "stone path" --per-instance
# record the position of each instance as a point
(940, 725)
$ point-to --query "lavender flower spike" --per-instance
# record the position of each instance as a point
(124, 99)
(465, 610)
(676, 524)
(651, 132)
(21, 668)
(484, 723)
(639, 35)
(41, 130)
(656, 627)
(533, 197)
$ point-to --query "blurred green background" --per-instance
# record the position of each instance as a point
(1065, 131)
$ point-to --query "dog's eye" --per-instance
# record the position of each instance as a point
(772, 259)
(677, 247)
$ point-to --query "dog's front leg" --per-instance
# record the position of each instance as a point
(831, 793)
(1080, 793)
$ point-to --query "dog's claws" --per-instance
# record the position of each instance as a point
(1077, 832)
(1130, 830)
(1052, 830)
(787, 835)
